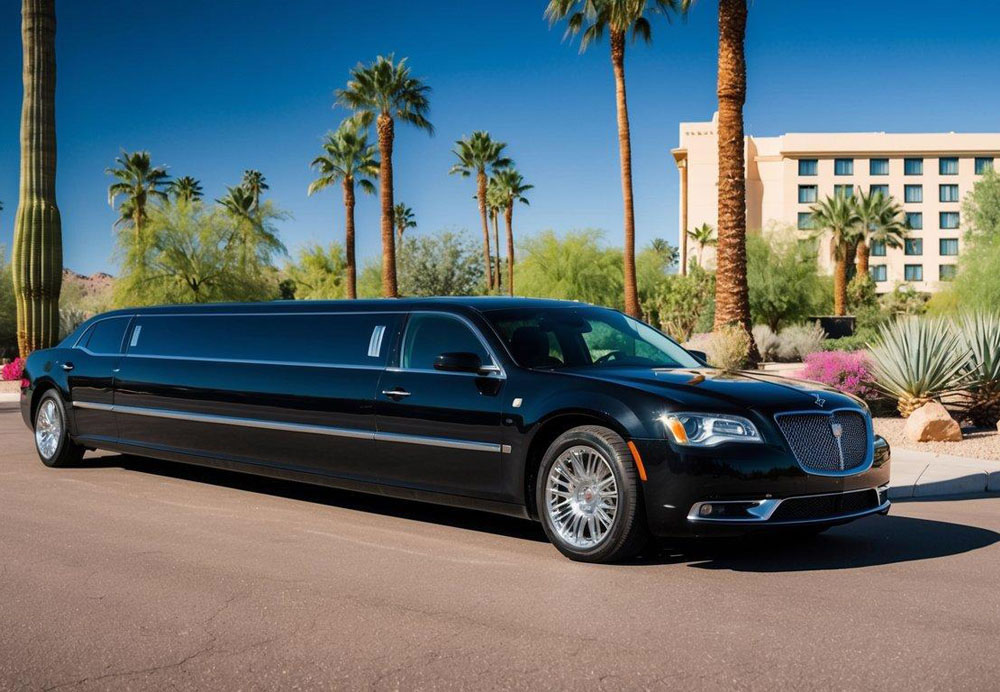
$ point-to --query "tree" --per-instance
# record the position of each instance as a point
(784, 284)
(139, 182)
(477, 154)
(8, 309)
(981, 207)
(838, 216)
(510, 189)
(383, 92)
(880, 220)
(253, 224)
(590, 19)
(732, 299)
(574, 266)
(440, 264)
(664, 250)
(186, 188)
(348, 159)
(402, 218)
(494, 204)
(37, 251)
(253, 182)
(319, 272)
(703, 236)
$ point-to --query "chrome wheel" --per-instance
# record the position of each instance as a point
(581, 496)
(48, 428)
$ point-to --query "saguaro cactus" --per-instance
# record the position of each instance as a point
(37, 252)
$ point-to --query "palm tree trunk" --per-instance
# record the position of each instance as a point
(352, 272)
(496, 242)
(625, 154)
(509, 218)
(481, 198)
(840, 281)
(36, 260)
(385, 129)
(862, 258)
(732, 298)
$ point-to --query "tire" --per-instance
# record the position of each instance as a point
(575, 515)
(52, 441)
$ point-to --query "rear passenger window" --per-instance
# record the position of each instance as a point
(286, 338)
(430, 335)
(106, 336)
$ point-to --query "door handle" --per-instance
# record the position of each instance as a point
(67, 366)
(396, 393)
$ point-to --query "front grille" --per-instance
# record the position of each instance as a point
(815, 446)
(825, 506)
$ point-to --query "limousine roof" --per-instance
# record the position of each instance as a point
(452, 303)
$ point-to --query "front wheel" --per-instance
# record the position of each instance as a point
(587, 495)
(52, 441)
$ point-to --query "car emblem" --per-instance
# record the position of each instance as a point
(820, 401)
(837, 429)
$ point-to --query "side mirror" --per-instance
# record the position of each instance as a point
(458, 362)
(699, 355)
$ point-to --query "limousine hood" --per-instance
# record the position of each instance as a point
(705, 387)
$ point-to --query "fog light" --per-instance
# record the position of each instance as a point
(705, 510)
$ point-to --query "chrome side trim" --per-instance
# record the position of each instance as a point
(354, 433)
(248, 361)
(765, 508)
(865, 466)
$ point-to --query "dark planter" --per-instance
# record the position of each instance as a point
(836, 327)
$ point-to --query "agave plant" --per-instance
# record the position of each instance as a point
(979, 333)
(917, 361)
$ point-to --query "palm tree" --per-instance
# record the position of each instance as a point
(703, 236)
(665, 250)
(251, 222)
(384, 91)
(36, 260)
(476, 154)
(403, 218)
(238, 202)
(511, 188)
(590, 19)
(348, 159)
(837, 215)
(185, 188)
(881, 221)
(494, 205)
(253, 182)
(139, 182)
(732, 296)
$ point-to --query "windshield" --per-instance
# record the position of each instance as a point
(585, 337)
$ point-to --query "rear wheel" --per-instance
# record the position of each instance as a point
(52, 441)
(587, 494)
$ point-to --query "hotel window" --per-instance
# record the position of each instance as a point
(913, 166)
(948, 166)
(879, 273)
(878, 167)
(808, 166)
(879, 189)
(808, 194)
(914, 220)
(948, 193)
(948, 219)
(843, 166)
(946, 272)
(878, 248)
(913, 272)
(948, 247)
(983, 163)
(913, 193)
(913, 246)
(843, 190)
(805, 221)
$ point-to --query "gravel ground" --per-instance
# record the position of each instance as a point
(979, 443)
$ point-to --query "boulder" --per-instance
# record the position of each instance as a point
(932, 423)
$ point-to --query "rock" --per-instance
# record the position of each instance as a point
(932, 423)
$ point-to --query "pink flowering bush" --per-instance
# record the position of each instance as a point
(13, 370)
(848, 371)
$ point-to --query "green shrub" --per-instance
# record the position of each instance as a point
(680, 302)
(782, 278)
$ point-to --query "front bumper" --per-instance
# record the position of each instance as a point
(763, 481)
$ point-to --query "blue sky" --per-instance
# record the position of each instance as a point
(212, 88)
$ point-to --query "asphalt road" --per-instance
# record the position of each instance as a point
(135, 574)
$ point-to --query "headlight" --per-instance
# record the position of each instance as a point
(708, 430)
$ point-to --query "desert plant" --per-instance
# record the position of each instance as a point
(916, 361)
(69, 320)
(680, 301)
(767, 342)
(799, 340)
(730, 347)
(12, 370)
(847, 371)
(980, 337)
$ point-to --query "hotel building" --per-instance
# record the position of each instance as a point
(927, 174)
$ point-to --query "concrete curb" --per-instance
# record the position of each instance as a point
(10, 396)
(924, 474)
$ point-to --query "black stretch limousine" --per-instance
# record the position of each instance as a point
(594, 423)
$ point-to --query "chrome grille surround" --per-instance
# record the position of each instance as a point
(811, 438)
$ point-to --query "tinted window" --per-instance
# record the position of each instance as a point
(289, 338)
(430, 335)
(106, 336)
